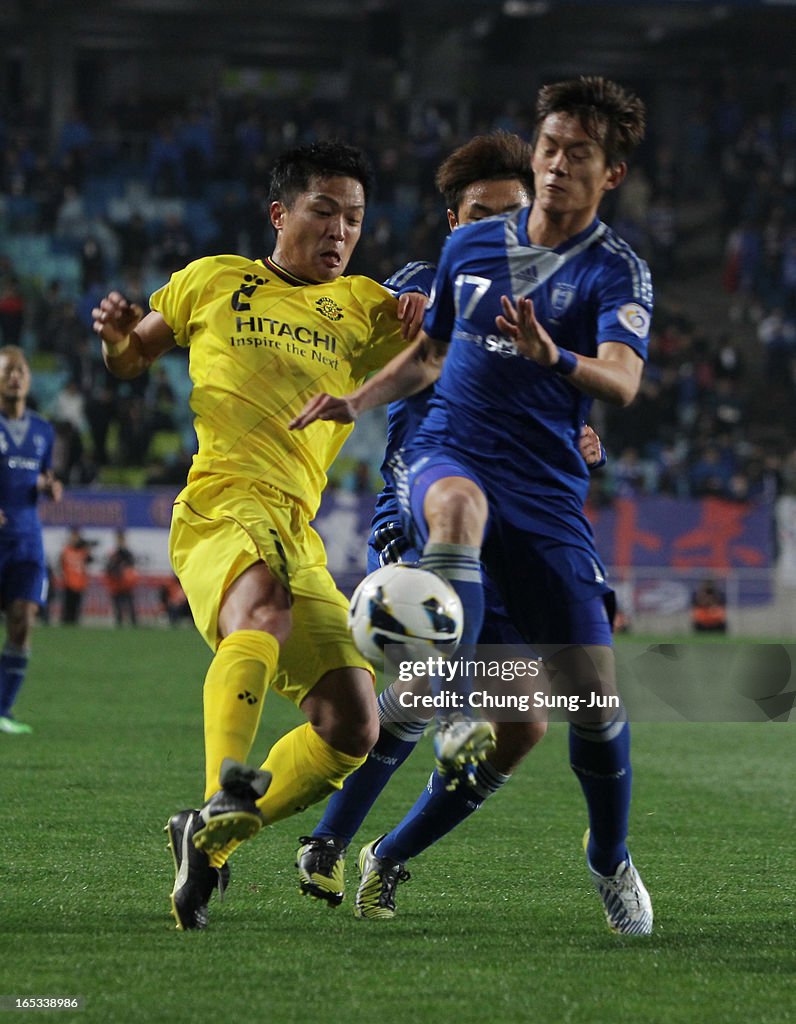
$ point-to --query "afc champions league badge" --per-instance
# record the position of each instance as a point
(634, 318)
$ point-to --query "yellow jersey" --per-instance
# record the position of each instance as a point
(261, 343)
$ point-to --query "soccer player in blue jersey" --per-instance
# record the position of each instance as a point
(532, 317)
(489, 175)
(26, 444)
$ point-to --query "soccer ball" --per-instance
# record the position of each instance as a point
(408, 606)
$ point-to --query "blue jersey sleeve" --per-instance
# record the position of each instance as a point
(441, 309)
(414, 277)
(625, 302)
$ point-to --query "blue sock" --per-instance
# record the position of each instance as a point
(600, 757)
(438, 810)
(460, 565)
(13, 665)
(348, 808)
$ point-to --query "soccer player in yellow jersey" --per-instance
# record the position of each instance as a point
(263, 336)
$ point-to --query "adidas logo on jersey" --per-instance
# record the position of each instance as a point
(528, 274)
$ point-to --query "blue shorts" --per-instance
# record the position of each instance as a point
(553, 590)
(23, 574)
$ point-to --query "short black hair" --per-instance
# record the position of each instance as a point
(292, 172)
(499, 156)
(611, 115)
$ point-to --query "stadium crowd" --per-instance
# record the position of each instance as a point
(115, 201)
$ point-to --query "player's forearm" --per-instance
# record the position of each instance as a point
(409, 372)
(603, 379)
(131, 341)
(125, 359)
(614, 376)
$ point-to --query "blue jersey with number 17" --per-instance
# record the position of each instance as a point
(515, 422)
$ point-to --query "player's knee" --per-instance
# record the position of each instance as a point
(18, 638)
(277, 622)
(456, 511)
(353, 731)
(358, 727)
(256, 600)
(19, 623)
(363, 734)
(342, 710)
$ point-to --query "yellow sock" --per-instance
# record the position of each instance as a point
(305, 769)
(235, 685)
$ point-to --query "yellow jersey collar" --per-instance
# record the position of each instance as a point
(285, 275)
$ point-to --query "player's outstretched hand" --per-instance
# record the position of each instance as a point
(411, 307)
(115, 318)
(324, 407)
(519, 323)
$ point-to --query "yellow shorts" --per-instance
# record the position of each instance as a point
(220, 527)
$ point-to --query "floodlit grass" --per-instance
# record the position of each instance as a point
(498, 924)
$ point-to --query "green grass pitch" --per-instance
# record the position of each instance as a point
(499, 924)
